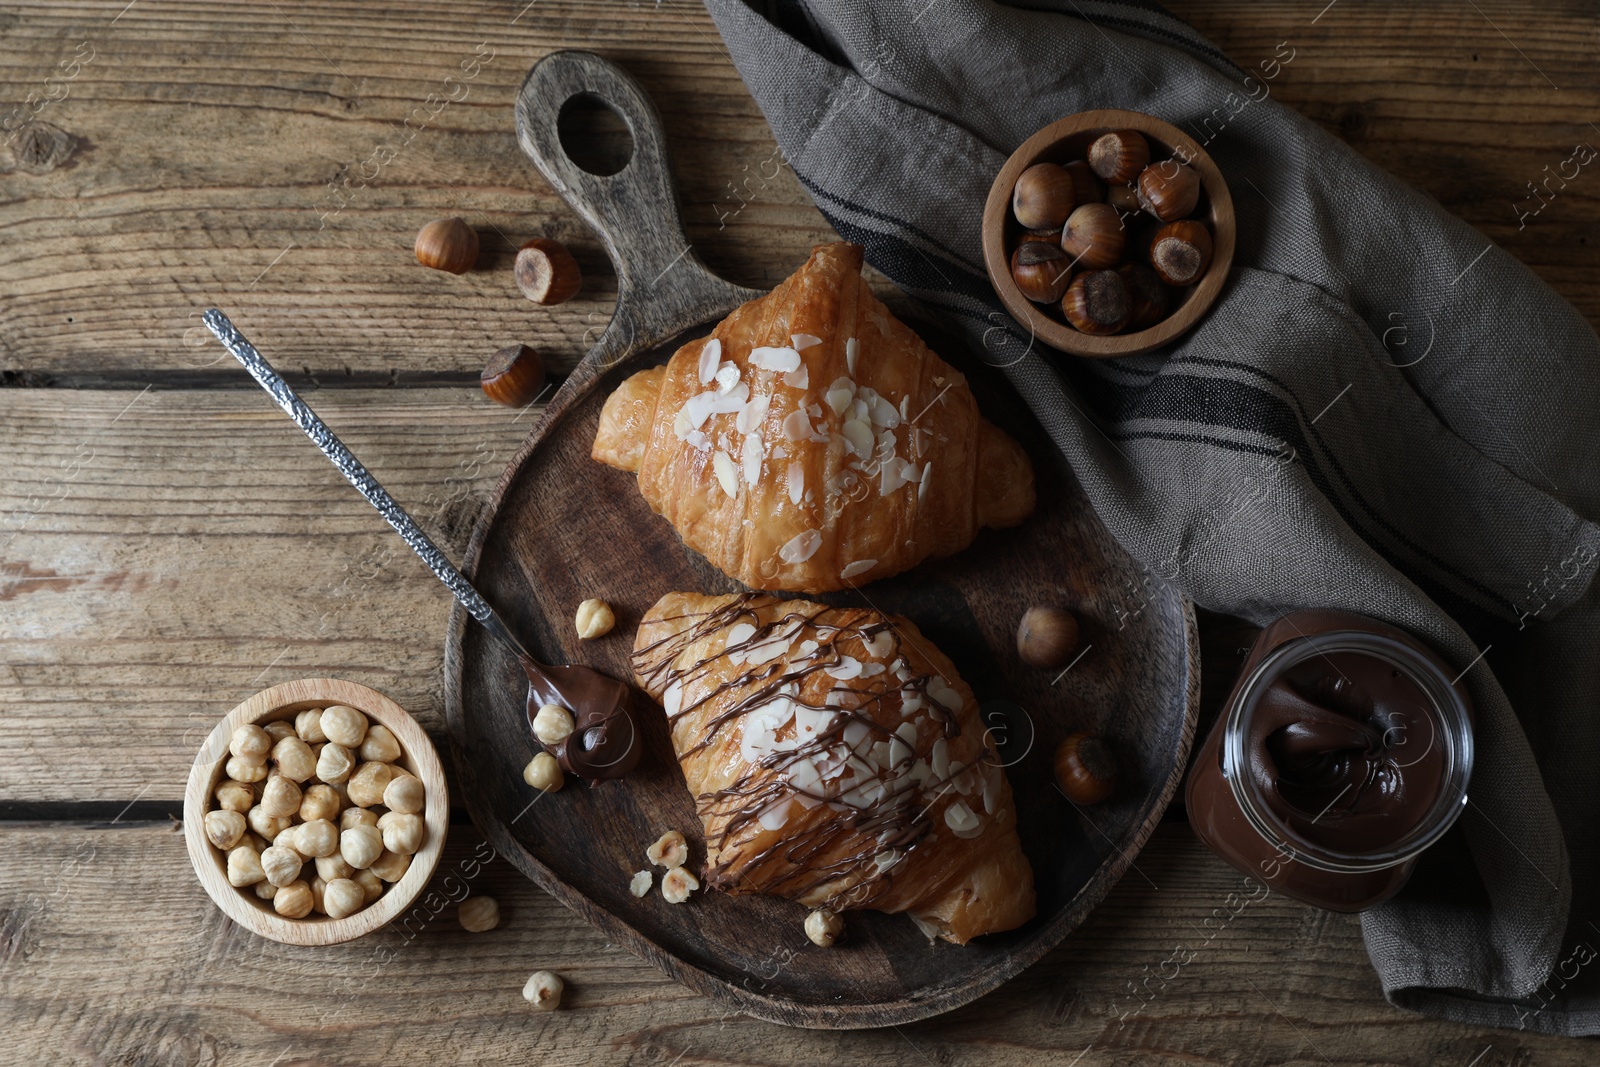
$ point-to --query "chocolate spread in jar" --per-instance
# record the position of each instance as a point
(1344, 750)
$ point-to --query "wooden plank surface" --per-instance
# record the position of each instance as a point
(1176, 967)
(165, 553)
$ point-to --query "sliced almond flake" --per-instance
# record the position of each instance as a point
(881, 643)
(796, 427)
(779, 452)
(852, 352)
(751, 458)
(872, 670)
(841, 395)
(991, 788)
(800, 378)
(699, 440)
(941, 693)
(710, 359)
(859, 410)
(727, 474)
(905, 408)
(893, 476)
(814, 410)
(885, 442)
(739, 633)
(781, 360)
(884, 413)
(860, 566)
(681, 426)
(907, 732)
(800, 547)
(752, 414)
(797, 482)
(803, 341)
(848, 667)
(939, 759)
(731, 402)
(960, 818)
(922, 483)
(727, 376)
(859, 437)
(672, 699)
(697, 409)
(901, 754)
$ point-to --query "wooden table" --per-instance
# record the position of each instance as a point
(170, 544)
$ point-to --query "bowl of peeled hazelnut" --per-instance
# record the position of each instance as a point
(1108, 233)
(315, 812)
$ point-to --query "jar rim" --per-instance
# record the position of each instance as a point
(1456, 735)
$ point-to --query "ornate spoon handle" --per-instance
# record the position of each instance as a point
(361, 478)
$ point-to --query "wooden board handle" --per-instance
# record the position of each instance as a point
(662, 287)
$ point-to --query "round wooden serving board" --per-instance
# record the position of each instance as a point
(563, 528)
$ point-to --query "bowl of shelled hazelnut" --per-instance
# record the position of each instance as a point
(1108, 233)
(315, 812)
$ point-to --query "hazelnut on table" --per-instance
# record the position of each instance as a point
(543, 990)
(267, 825)
(281, 865)
(334, 763)
(278, 729)
(595, 619)
(367, 784)
(823, 927)
(677, 884)
(280, 797)
(669, 850)
(319, 801)
(543, 773)
(294, 759)
(357, 817)
(330, 868)
(235, 796)
(641, 883)
(478, 914)
(371, 885)
(319, 837)
(244, 866)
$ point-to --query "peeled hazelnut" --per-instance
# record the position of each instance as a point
(308, 726)
(293, 901)
(357, 817)
(344, 725)
(316, 838)
(1047, 637)
(245, 769)
(1150, 296)
(380, 745)
(224, 828)
(367, 784)
(1169, 190)
(823, 927)
(1043, 196)
(543, 991)
(244, 866)
(294, 759)
(281, 865)
(1098, 302)
(447, 244)
(319, 802)
(552, 724)
(669, 850)
(401, 833)
(235, 796)
(265, 889)
(1181, 252)
(390, 866)
(546, 272)
(332, 867)
(1094, 237)
(1086, 186)
(360, 846)
(514, 376)
(404, 794)
(334, 763)
(543, 773)
(371, 885)
(1118, 157)
(595, 619)
(677, 884)
(251, 742)
(265, 823)
(318, 887)
(1041, 270)
(280, 796)
(1125, 198)
(278, 729)
(478, 914)
(341, 897)
(1085, 769)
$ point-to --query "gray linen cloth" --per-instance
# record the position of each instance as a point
(1384, 413)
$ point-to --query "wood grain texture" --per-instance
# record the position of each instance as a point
(168, 980)
(301, 230)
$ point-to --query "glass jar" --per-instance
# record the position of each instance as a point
(1344, 751)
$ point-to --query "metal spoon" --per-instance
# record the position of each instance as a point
(604, 742)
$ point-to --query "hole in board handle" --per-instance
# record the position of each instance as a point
(594, 134)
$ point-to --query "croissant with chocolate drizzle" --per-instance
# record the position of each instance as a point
(837, 759)
(813, 441)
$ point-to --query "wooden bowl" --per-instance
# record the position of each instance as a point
(284, 702)
(1062, 142)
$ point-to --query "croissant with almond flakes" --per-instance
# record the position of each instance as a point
(836, 758)
(813, 441)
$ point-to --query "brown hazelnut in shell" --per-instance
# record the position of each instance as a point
(513, 376)
(1118, 157)
(1180, 252)
(1047, 637)
(1041, 270)
(447, 244)
(546, 272)
(1169, 190)
(1043, 197)
(1094, 237)
(1150, 296)
(1087, 188)
(1125, 198)
(1086, 769)
(1098, 302)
